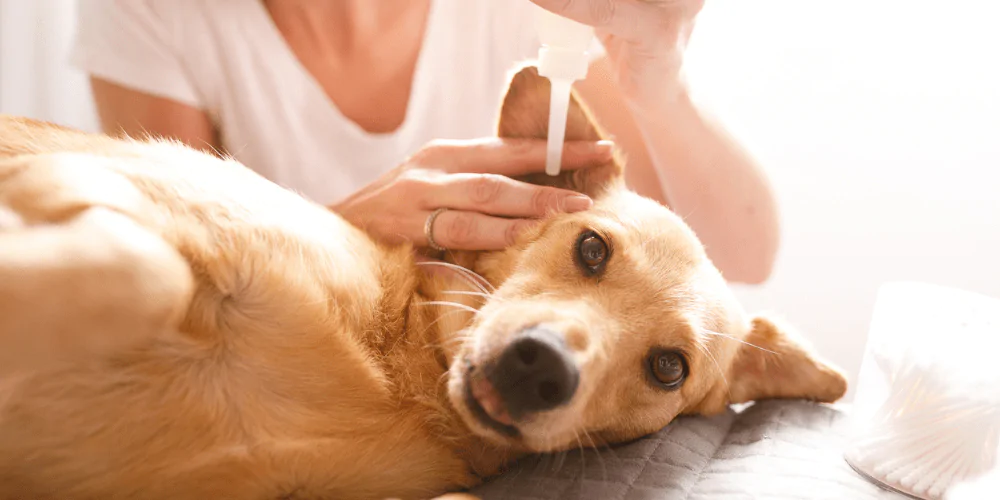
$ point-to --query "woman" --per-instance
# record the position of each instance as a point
(327, 96)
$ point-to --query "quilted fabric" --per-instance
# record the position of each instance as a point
(772, 450)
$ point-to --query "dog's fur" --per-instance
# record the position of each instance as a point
(174, 326)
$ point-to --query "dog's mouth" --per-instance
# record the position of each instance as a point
(487, 407)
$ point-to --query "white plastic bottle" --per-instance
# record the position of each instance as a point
(563, 59)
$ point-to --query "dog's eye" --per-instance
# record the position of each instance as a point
(592, 252)
(668, 368)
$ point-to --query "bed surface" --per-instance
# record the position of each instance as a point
(771, 450)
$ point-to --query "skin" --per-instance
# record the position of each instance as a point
(678, 156)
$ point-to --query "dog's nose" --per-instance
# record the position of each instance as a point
(534, 373)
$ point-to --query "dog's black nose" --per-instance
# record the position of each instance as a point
(534, 373)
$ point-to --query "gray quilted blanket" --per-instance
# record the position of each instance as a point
(772, 450)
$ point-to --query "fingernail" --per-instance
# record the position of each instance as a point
(605, 148)
(577, 203)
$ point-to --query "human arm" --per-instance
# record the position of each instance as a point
(138, 114)
(680, 157)
(142, 82)
(677, 154)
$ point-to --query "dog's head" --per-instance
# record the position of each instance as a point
(609, 323)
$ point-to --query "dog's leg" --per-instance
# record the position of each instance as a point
(98, 282)
(88, 281)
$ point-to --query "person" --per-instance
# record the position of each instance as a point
(383, 110)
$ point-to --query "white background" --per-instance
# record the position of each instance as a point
(880, 123)
(878, 120)
(35, 79)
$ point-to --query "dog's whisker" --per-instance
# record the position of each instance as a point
(460, 271)
(439, 318)
(560, 460)
(730, 337)
(450, 342)
(460, 309)
(459, 338)
(479, 277)
(481, 282)
(541, 460)
(708, 353)
(607, 450)
(583, 460)
(597, 453)
(425, 329)
(483, 295)
(571, 449)
(472, 310)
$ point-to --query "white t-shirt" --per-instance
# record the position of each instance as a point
(227, 58)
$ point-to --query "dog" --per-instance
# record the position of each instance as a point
(173, 325)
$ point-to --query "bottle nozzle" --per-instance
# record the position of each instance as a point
(558, 111)
(563, 59)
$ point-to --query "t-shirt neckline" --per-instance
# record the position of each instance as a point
(286, 57)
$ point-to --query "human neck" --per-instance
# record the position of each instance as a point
(344, 23)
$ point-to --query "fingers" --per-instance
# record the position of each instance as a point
(620, 17)
(460, 230)
(510, 157)
(487, 208)
(500, 195)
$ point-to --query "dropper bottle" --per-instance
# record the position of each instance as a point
(563, 59)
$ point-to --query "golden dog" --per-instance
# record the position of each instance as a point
(172, 325)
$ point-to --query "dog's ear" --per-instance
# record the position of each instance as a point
(525, 114)
(774, 364)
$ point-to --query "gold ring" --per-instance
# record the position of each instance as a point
(429, 229)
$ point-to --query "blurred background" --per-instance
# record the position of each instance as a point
(878, 120)
(36, 79)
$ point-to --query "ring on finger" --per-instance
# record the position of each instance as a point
(429, 229)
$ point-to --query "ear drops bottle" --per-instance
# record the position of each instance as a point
(563, 59)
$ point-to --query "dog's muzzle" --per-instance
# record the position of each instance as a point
(534, 373)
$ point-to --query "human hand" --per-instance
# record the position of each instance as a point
(485, 207)
(644, 40)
